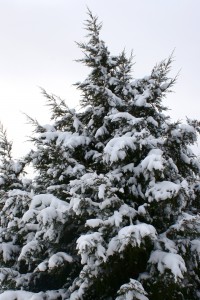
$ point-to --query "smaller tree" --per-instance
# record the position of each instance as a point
(10, 169)
(14, 201)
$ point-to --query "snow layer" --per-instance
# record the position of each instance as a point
(58, 259)
(67, 139)
(195, 246)
(23, 295)
(131, 235)
(117, 147)
(153, 161)
(132, 290)
(168, 261)
(90, 243)
(162, 190)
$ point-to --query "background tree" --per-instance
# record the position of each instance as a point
(10, 169)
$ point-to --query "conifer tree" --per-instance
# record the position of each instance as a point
(114, 209)
(10, 169)
(14, 201)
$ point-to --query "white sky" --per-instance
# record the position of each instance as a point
(37, 48)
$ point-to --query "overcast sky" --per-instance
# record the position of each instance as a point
(37, 46)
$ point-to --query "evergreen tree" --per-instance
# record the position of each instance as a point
(10, 169)
(14, 201)
(114, 209)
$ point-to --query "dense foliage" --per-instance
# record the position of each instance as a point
(112, 212)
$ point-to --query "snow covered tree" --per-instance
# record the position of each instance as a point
(10, 169)
(114, 209)
(14, 203)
